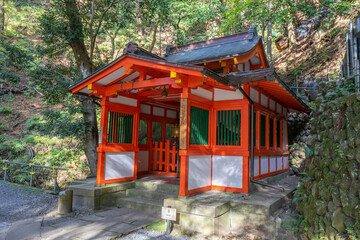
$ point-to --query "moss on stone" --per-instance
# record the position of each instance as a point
(330, 194)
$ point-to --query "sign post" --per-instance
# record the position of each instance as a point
(169, 214)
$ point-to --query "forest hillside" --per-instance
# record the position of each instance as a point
(38, 60)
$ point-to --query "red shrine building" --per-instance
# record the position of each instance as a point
(213, 113)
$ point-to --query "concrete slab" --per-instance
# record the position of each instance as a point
(210, 203)
(71, 224)
(122, 228)
(30, 229)
(114, 212)
(103, 235)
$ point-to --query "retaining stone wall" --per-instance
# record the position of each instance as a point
(329, 197)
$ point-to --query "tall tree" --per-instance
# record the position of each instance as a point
(62, 24)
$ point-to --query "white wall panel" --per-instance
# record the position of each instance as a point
(119, 165)
(171, 114)
(285, 161)
(264, 164)
(278, 108)
(254, 95)
(142, 161)
(272, 163)
(241, 67)
(145, 108)
(247, 66)
(279, 162)
(124, 100)
(272, 104)
(227, 171)
(202, 93)
(131, 77)
(199, 171)
(264, 100)
(284, 124)
(111, 77)
(284, 111)
(256, 165)
(159, 111)
(85, 90)
(223, 95)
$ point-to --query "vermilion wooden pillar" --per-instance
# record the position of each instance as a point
(183, 141)
(102, 140)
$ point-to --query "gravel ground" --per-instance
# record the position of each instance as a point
(17, 202)
(145, 234)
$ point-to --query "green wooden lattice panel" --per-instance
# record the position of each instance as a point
(278, 133)
(120, 127)
(262, 131)
(199, 126)
(271, 132)
(228, 127)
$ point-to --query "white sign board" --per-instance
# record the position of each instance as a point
(168, 213)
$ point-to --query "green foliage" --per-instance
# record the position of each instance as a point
(5, 110)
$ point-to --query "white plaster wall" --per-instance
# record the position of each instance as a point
(241, 67)
(264, 164)
(278, 162)
(284, 111)
(223, 95)
(119, 165)
(272, 163)
(131, 77)
(272, 104)
(158, 111)
(285, 161)
(142, 161)
(247, 66)
(284, 124)
(111, 77)
(124, 100)
(85, 90)
(256, 165)
(278, 108)
(227, 171)
(145, 108)
(171, 114)
(264, 100)
(254, 95)
(199, 171)
(202, 93)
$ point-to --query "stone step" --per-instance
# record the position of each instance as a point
(166, 188)
(147, 205)
(148, 194)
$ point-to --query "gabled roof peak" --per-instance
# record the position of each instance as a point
(248, 35)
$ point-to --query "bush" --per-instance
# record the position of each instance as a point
(5, 110)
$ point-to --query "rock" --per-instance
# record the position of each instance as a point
(338, 220)
(65, 201)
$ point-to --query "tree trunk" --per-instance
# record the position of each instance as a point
(291, 34)
(138, 18)
(153, 38)
(269, 41)
(90, 139)
(2, 27)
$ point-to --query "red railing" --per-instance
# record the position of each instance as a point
(163, 158)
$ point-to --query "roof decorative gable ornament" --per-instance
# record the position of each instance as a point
(131, 47)
(253, 32)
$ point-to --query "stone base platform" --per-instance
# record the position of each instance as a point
(216, 213)
(86, 194)
(211, 213)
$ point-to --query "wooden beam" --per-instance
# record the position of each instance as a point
(155, 82)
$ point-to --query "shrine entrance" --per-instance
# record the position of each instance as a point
(158, 138)
(164, 158)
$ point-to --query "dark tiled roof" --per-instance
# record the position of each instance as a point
(214, 49)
